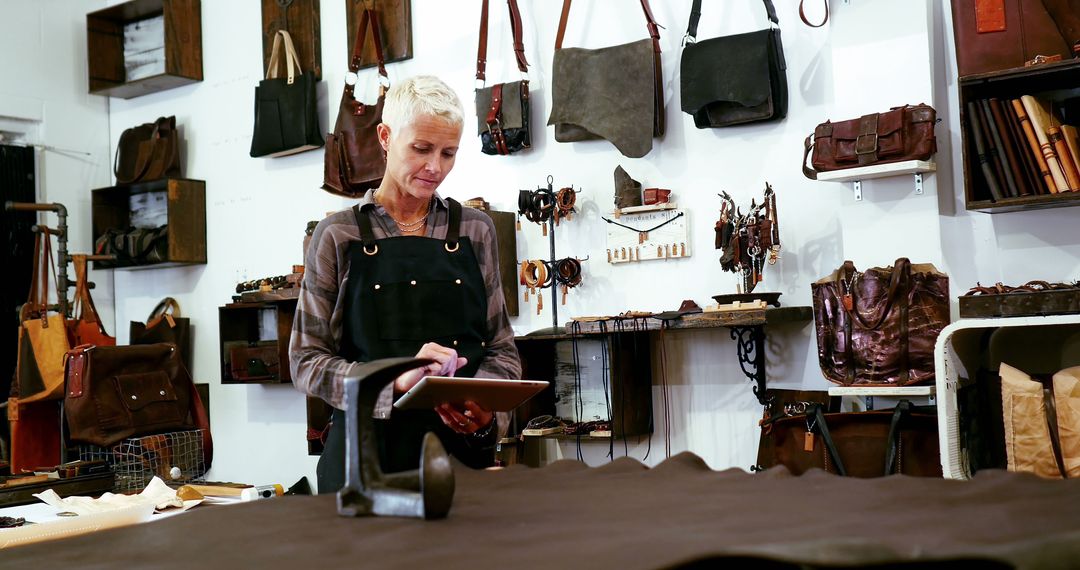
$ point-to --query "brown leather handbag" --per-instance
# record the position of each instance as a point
(903, 440)
(614, 93)
(148, 152)
(354, 161)
(39, 369)
(164, 325)
(879, 326)
(86, 327)
(115, 392)
(994, 35)
(901, 133)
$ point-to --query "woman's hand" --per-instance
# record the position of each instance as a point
(465, 419)
(446, 364)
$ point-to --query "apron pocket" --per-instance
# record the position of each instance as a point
(422, 312)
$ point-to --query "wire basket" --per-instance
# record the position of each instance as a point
(175, 457)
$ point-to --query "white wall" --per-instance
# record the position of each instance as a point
(874, 54)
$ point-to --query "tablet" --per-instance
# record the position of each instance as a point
(496, 395)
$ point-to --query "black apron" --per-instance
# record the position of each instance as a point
(402, 293)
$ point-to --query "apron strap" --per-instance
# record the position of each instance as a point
(367, 236)
(453, 230)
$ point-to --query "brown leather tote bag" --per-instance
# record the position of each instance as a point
(879, 326)
(614, 93)
(354, 163)
(859, 444)
(148, 152)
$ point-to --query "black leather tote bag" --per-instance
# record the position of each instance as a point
(286, 110)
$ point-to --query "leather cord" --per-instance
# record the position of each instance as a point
(802, 14)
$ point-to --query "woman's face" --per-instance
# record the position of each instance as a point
(420, 154)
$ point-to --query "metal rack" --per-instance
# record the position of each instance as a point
(550, 262)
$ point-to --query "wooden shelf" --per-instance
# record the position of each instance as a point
(1024, 203)
(182, 47)
(878, 171)
(718, 319)
(884, 391)
(241, 328)
(185, 203)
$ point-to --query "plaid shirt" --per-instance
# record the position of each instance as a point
(317, 328)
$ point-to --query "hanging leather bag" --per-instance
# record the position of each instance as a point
(1041, 418)
(878, 327)
(901, 133)
(165, 325)
(614, 93)
(903, 440)
(86, 327)
(116, 392)
(286, 109)
(995, 35)
(502, 110)
(148, 152)
(42, 336)
(736, 79)
(353, 162)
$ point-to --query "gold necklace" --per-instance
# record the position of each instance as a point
(405, 227)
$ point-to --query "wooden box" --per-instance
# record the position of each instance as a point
(260, 327)
(185, 204)
(1055, 82)
(181, 46)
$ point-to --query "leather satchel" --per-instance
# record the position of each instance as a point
(736, 79)
(353, 162)
(148, 152)
(901, 133)
(994, 35)
(903, 440)
(502, 110)
(286, 109)
(878, 327)
(134, 246)
(614, 93)
(116, 392)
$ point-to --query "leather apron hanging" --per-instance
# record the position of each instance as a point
(403, 292)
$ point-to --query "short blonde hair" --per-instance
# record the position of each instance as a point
(421, 95)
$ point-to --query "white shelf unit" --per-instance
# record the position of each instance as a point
(858, 174)
(957, 350)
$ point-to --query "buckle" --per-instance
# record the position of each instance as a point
(864, 147)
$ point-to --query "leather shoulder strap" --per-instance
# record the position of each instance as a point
(830, 445)
(650, 23)
(371, 16)
(481, 50)
(695, 16)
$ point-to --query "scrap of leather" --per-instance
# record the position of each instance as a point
(627, 190)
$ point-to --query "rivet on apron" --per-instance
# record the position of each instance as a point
(377, 286)
(413, 282)
(133, 397)
(162, 392)
(458, 281)
(483, 343)
(455, 343)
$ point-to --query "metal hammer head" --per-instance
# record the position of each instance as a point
(423, 493)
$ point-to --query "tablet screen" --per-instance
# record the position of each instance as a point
(496, 395)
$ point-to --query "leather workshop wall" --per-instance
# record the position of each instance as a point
(872, 55)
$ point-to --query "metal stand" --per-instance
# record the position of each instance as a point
(750, 345)
(550, 262)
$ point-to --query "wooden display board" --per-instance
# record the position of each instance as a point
(301, 19)
(395, 27)
(646, 241)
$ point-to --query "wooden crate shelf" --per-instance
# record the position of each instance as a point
(110, 208)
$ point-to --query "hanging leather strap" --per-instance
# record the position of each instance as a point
(367, 235)
(892, 453)
(164, 311)
(830, 445)
(806, 170)
(369, 16)
(1050, 409)
(802, 14)
(654, 30)
(292, 61)
(695, 16)
(453, 229)
(83, 304)
(516, 31)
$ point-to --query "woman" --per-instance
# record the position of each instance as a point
(406, 272)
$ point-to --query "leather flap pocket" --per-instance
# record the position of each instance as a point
(144, 388)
